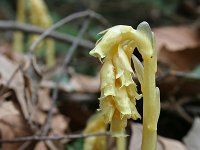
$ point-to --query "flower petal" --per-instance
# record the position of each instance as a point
(95, 124)
(112, 37)
(107, 76)
(124, 75)
(122, 101)
(125, 62)
(107, 108)
(118, 125)
(132, 92)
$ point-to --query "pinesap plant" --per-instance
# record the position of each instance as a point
(118, 90)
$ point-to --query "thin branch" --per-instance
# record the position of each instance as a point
(50, 31)
(185, 75)
(62, 22)
(65, 38)
(180, 110)
(178, 74)
(52, 138)
(76, 42)
(65, 64)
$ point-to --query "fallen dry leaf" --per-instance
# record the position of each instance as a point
(6, 49)
(176, 38)
(84, 83)
(39, 117)
(78, 83)
(12, 125)
(162, 142)
(6, 70)
(178, 47)
(184, 60)
(170, 144)
(59, 124)
(178, 50)
(8, 108)
(44, 100)
(43, 106)
(40, 146)
(192, 138)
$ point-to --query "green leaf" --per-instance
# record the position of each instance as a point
(76, 145)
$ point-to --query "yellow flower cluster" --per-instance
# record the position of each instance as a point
(95, 124)
(118, 90)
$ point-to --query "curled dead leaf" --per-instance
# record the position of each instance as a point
(60, 124)
(12, 124)
(40, 146)
(84, 83)
(6, 70)
(176, 38)
(192, 138)
(178, 47)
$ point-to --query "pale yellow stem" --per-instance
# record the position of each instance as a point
(18, 36)
(150, 105)
(121, 143)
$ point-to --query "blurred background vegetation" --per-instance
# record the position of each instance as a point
(157, 12)
(129, 12)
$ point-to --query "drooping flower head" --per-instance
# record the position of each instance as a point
(95, 124)
(118, 90)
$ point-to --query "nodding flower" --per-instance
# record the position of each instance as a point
(118, 89)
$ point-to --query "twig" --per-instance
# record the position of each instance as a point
(52, 138)
(178, 74)
(24, 145)
(185, 75)
(50, 145)
(180, 110)
(66, 62)
(50, 31)
(64, 21)
(65, 38)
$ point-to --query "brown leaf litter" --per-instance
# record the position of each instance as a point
(24, 106)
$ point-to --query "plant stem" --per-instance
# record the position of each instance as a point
(149, 139)
(18, 36)
(150, 105)
(121, 143)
